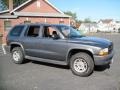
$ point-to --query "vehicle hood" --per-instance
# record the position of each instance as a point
(93, 41)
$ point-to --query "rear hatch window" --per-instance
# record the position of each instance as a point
(16, 31)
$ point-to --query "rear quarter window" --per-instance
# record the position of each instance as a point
(16, 31)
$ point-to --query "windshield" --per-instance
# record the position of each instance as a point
(69, 31)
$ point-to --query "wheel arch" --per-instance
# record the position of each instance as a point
(16, 44)
(77, 50)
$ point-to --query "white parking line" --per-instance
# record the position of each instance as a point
(3, 48)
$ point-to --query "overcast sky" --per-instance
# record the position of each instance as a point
(94, 9)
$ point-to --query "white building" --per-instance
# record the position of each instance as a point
(107, 25)
(88, 27)
(117, 25)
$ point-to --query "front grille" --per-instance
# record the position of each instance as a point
(110, 48)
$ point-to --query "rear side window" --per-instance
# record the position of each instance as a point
(33, 31)
(16, 31)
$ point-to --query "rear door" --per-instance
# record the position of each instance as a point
(30, 40)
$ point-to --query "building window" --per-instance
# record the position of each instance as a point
(7, 25)
(61, 22)
(27, 22)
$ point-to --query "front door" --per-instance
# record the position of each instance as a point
(53, 48)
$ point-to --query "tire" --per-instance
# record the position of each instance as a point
(17, 55)
(82, 64)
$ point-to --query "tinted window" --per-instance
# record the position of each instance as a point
(33, 31)
(49, 32)
(16, 31)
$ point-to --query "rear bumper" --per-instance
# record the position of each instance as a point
(103, 60)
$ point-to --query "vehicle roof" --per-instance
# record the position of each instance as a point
(42, 24)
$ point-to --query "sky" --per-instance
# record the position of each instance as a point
(93, 9)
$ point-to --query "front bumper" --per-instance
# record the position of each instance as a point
(103, 60)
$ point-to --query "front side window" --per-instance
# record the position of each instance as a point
(49, 32)
(16, 31)
(33, 31)
(7, 25)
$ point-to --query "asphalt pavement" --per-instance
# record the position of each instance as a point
(42, 76)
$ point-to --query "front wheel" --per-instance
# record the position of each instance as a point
(81, 64)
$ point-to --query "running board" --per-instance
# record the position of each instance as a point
(46, 60)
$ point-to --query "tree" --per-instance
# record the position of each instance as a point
(18, 2)
(87, 20)
(73, 15)
(78, 23)
(5, 3)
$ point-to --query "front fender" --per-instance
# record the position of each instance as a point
(87, 50)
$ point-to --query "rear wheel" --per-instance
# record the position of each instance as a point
(81, 64)
(17, 55)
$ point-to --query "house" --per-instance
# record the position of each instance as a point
(88, 27)
(107, 25)
(32, 11)
(117, 25)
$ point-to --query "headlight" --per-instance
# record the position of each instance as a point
(104, 52)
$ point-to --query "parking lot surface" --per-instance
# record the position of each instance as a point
(42, 76)
(1, 50)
